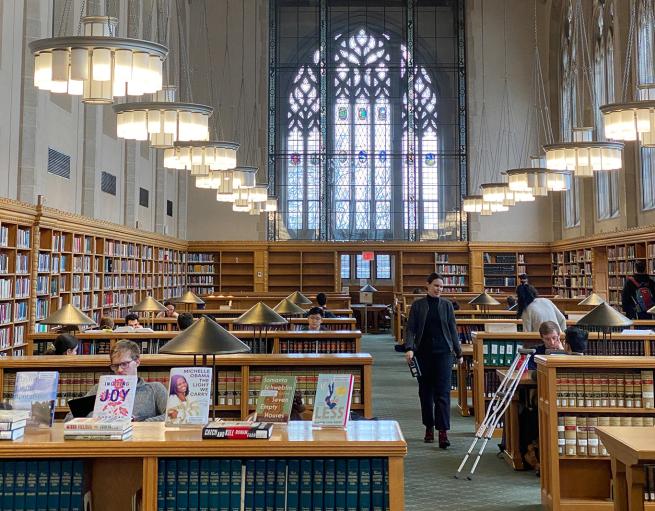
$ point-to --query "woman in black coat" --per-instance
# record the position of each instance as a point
(431, 336)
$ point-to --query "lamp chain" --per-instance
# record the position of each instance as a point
(628, 51)
(79, 21)
(216, 130)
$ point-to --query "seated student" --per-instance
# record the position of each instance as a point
(106, 323)
(549, 332)
(150, 398)
(132, 320)
(169, 312)
(576, 339)
(455, 303)
(321, 300)
(184, 321)
(314, 318)
(65, 344)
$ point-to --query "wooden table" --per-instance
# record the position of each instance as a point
(630, 448)
(512, 430)
(363, 311)
(462, 374)
(118, 469)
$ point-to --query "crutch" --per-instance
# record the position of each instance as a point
(499, 403)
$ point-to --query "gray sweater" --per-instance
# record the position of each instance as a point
(149, 401)
(540, 310)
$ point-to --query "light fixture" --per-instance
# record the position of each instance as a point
(630, 121)
(528, 180)
(494, 192)
(163, 120)
(271, 205)
(98, 65)
(489, 208)
(201, 156)
(584, 156)
(472, 204)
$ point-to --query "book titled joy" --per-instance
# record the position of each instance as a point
(115, 396)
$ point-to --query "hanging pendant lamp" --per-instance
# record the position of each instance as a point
(201, 156)
(472, 204)
(163, 120)
(98, 65)
(633, 120)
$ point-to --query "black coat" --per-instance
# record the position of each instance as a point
(418, 314)
(628, 296)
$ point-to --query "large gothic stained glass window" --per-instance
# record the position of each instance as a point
(367, 119)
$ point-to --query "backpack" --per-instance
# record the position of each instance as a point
(643, 297)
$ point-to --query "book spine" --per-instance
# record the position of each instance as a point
(352, 483)
(377, 480)
(569, 435)
(293, 485)
(66, 484)
(592, 437)
(269, 501)
(365, 483)
(203, 485)
(161, 484)
(171, 484)
(43, 475)
(77, 486)
(20, 480)
(219, 484)
(31, 485)
(250, 484)
(329, 484)
(183, 484)
(236, 481)
(648, 397)
(8, 486)
(341, 478)
(305, 485)
(194, 483)
(53, 484)
(11, 426)
(236, 434)
(581, 435)
(280, 485)
(561, 442)
(318, 471)
(259, 497)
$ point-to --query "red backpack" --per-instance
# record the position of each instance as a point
(643, 297)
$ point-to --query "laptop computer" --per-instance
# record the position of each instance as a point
(82, 406)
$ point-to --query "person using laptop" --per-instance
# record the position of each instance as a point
(550, 337)
(150, 398)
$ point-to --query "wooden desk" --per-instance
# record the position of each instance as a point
(463, 371)
(372, 312)
(630, 448)
(117, 470)
(512, 430)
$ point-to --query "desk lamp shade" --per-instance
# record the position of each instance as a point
(148, 304)
(592, 299)
(286, 306)
(260, 314)
(204, 337)
(68, 315)
(604, 315)
(299, 299)
(368, 289)
(651, 310)
(484, 299)
(188, 297)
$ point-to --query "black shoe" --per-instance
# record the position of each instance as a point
(429, 436)
(443, 440)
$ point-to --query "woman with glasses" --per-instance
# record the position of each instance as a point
(150, 398)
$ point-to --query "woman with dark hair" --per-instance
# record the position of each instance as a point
(65, 344)
(178, 406)
(431, 335)
(533, 310)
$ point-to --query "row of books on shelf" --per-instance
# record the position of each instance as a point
(202, 280)
(445, 269)
(585, 281)
(491, 383)
(499, 269)
(4, 236)
(629, 389)
(86, 242)
(621, 252)
(22, 264)
(501, 258)
(576, 434)
(22, 238)
(200, 268)
(499, 353)
(318, 346)
(453, 380)
(268, 483)
(573, 269)
(201, 290)
(582, 255)
(649, 480)
(42, 484)
(616, 347)
(620, 267)
(6, 312)
(200, 257)
(500, 281)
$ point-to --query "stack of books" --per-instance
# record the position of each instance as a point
(12, 424)
(238, 430)
(98, 428)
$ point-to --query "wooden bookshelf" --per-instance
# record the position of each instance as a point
(203, 271)
(318, 271)
(572, 273)
(581, 481)
(284, 271)
(132, 466)
(451, 265)
(237, 376)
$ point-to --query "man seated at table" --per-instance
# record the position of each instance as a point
(132, 320)
(550, 336)
(314, 318)
(150, 398)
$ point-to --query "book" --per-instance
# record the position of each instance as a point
(189, 396)
(275, 398)
(99, 436)
(238, 430)
(101, 424)
(115, 396)
(332, 400)
(36, 391)
(13, 419)
(12, 434)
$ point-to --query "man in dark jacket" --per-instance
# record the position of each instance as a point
(431, 335)
(631, 307)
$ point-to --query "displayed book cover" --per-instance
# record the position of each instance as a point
(238, 430)
(189, 396)
(115, 396)
(36, 391)
(333, 399)
(275, 398)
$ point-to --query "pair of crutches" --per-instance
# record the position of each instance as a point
(499, 403)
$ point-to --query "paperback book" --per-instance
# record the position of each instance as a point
(238, 430)
(275, 398)
(102, 424)
(115, 396)
(189, 396)
(11, 420)
(333, 400)
(36, 392)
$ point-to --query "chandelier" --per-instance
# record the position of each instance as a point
(472, 204)
(98, 65)
(201, 156)
(163, 120)
(630, 121)
(537, 179)
(583, 156)
(233, 180)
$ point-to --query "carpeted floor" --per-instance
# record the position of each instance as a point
(429, 481)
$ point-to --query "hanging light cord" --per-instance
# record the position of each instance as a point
(483, 113)
(628, 51)
(184, 54)
(217, 129)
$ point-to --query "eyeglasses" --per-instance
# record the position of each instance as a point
(122, 365)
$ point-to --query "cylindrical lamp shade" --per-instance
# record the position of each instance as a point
(215, 155)
(583, 156)
(472, 204)
(630, 121)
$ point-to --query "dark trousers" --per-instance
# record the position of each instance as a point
(434, 389)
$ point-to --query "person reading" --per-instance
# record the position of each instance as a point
(65, 344)
(150, 398)
(132, 320)
(314, 319)
(550, 337)
(576, 339)
(184, 321)
(169, 312)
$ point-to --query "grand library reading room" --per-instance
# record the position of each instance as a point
(315, 255)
